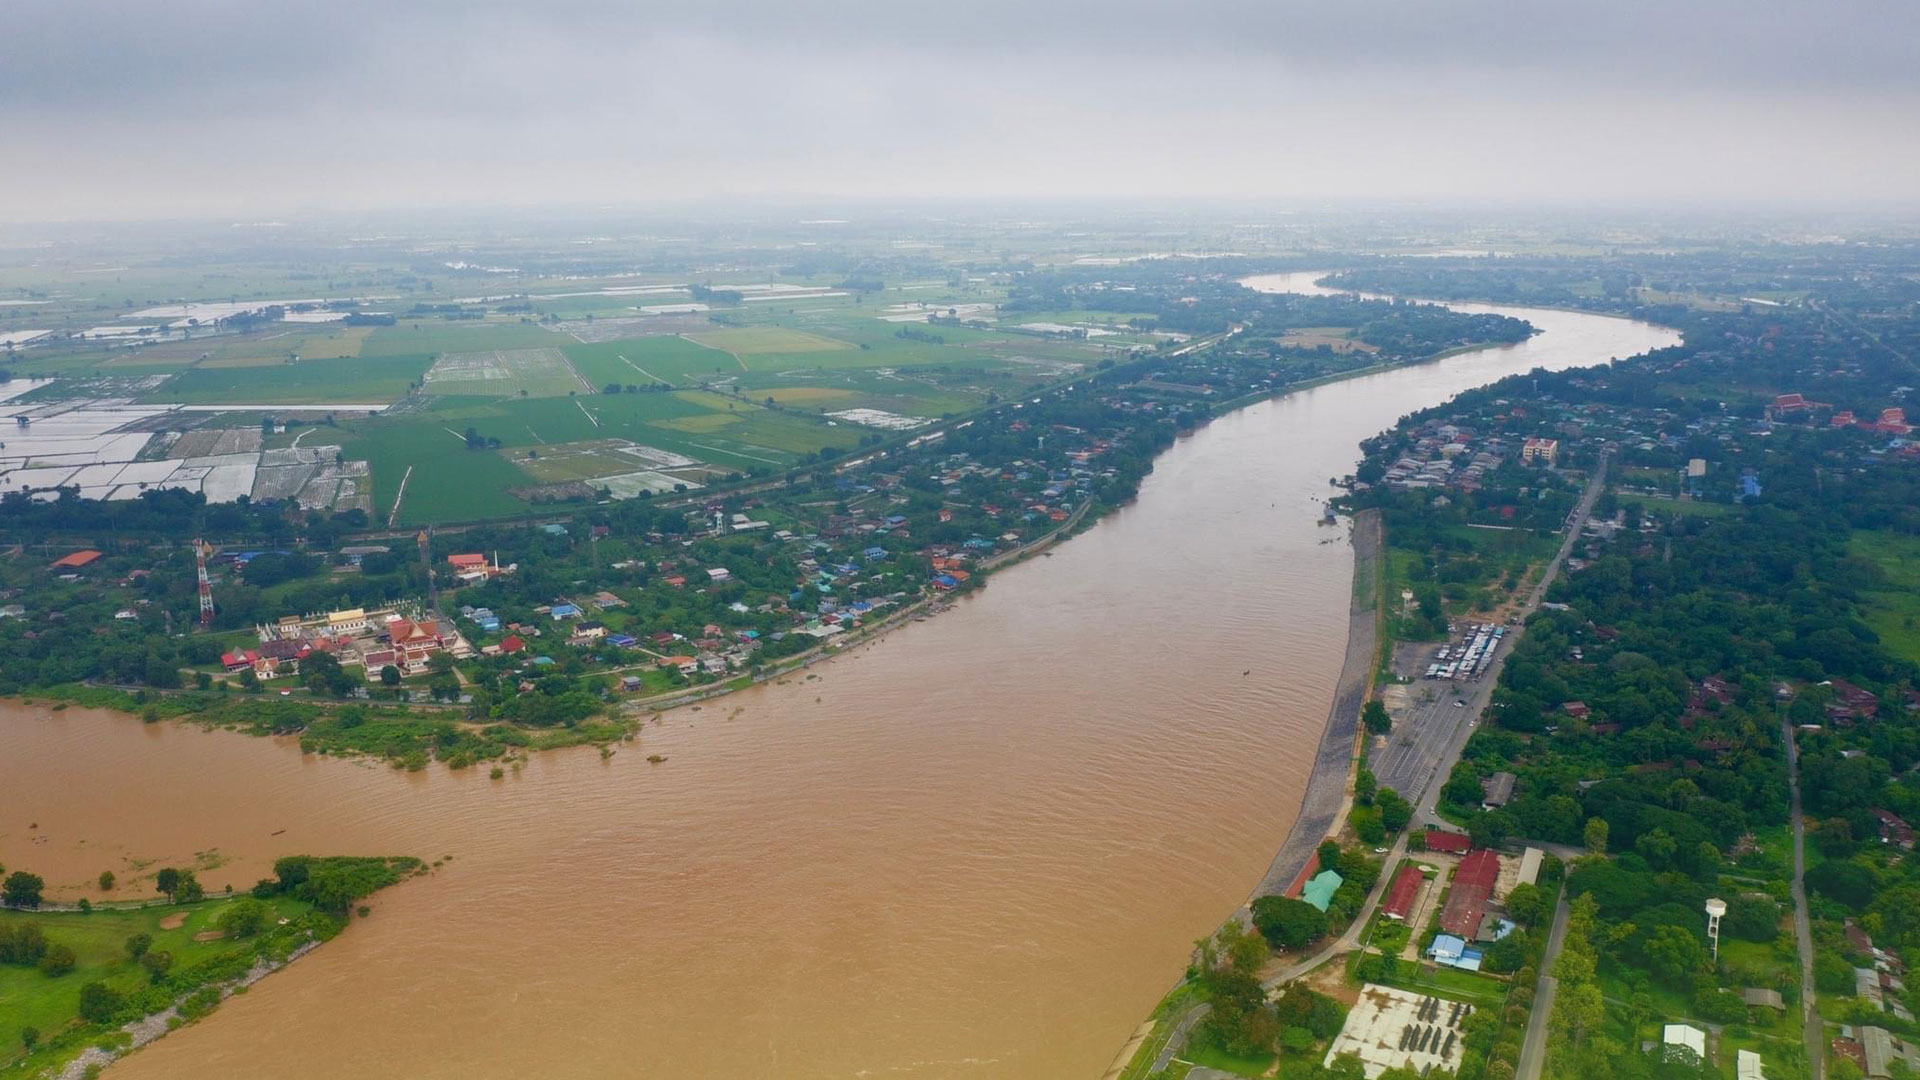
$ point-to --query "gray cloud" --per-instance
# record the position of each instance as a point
(117, 108)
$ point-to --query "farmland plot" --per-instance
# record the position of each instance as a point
(505, 373)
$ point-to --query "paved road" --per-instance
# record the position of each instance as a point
(1447, 750)
(1815, 1036)
(1533, 1049)
(1177, 1040)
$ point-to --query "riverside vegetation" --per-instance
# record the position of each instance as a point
(72, 978)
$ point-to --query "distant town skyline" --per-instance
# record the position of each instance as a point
(110, 109)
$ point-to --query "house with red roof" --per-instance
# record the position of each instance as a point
(1403, 891)
(1470, 892)
(74, 561)
(1450, 843)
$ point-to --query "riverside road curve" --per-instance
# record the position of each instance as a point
(1475, 702)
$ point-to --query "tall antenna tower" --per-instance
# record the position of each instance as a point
(200, 550)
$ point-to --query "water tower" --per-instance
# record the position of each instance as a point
(1716, 907)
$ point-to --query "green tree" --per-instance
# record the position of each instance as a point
(1374, 716)
(106, 881)
(389, 676)
(22, 890)
(1395, 812)
(99, 1003)
(138, 944)
(167, 880)
(243, 918)
(1526, 903)
(1594, 834)
(1674, 954)
(1578, 1011)
(1365, 785)
(1288, 923)
(157, 963)
(29, 1037)
(57, 961)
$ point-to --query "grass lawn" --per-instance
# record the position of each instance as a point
(1450, 983)
(1215, 1058)
(29, 998)
(1893, 611)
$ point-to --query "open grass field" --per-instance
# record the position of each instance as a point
(504, 373)
(363, 379)
(98, 940)
(1894, 611)
(640, 361)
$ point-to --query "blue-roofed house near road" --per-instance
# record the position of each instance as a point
(564, 611)
(1454, 952)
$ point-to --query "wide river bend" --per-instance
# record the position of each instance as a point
(980, 847)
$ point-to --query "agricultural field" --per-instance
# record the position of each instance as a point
(669, 359)
(432, 337)
(356, 380)
(540, 372)
(767, 340)
(449, 482)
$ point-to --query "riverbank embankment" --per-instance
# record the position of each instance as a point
(1329, 783)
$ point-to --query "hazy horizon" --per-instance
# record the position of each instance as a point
(344, 107)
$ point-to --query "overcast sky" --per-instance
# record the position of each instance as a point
(119, 109)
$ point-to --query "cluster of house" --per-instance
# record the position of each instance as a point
(354, 637)
(1875, 1050)
(1471, 916)
(1445, 455)
(1882, 983)
(1890, 421)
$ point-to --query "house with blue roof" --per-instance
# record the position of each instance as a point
(874, 554)
(1454, 952)
(564, 611)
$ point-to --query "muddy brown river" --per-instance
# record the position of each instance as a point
(980, 847)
